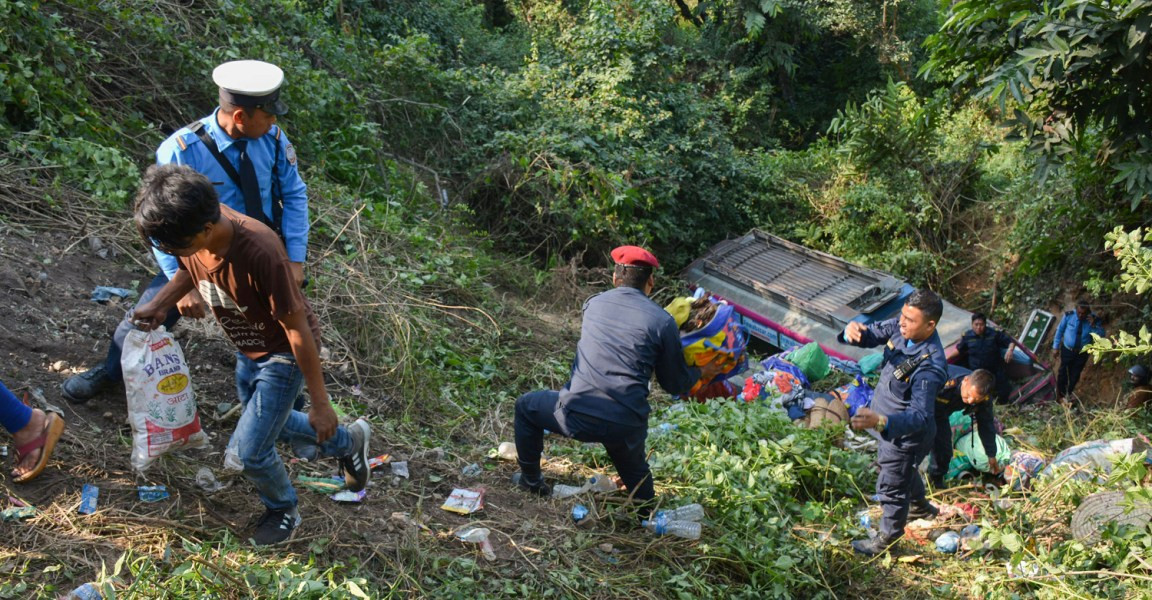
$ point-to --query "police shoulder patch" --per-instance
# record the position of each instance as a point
(290, 154)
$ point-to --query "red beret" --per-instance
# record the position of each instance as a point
(634, 255)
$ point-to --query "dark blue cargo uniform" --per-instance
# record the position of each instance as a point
(987, 352)
(625, 338)
(948, 402)
(909, 403)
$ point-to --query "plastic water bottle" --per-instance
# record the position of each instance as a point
(685, 529)
(601, 484)
(566, 491)
(688, 512)
(507, 451)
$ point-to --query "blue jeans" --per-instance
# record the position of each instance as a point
(536, 411)
(268, 389)
(116, 347)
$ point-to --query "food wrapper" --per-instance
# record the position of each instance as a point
(464, 501)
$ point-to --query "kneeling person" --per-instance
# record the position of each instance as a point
(968, 391)
(241, 269)
(625, 337)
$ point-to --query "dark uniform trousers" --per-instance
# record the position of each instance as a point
(1071, 365)
(900, 485)
(537, 411)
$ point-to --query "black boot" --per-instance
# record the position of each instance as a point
(873, 546)
(532, 486)
(923, 511)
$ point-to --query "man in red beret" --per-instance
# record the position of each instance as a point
(624, 339)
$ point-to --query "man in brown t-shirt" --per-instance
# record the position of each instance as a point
(242, 271)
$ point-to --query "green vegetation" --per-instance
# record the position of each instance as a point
(459, 154)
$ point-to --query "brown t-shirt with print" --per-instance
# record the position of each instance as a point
(252, 289)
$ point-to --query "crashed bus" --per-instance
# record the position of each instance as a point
(787, 295)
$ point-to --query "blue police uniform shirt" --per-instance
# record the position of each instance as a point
(193, 153)
(624, 338)
(1066, 332)
(909, 405)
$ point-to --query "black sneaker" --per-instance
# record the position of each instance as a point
(923, 511)
(537, 487)
(82, 387)
(355, 464)
(872, 546)
(275, 526)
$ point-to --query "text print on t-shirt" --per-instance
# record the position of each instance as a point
(242, 332)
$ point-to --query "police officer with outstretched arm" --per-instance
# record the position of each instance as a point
(252, 165)
(902, 410)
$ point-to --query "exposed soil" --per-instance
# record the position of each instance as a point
(50, 329)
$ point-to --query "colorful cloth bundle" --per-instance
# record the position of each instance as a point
(723, 340)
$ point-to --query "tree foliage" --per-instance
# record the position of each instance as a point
(1059, 72)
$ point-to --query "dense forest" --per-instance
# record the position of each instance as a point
(471, 163)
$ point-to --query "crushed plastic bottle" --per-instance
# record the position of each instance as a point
(688, 512)
(478, 535)
(472, 470)
(207, 481)
(864, 518)
(661, 429)
(685, 529)
(507, 451)
(561, 491)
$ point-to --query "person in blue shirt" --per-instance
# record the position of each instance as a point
(1072, 334)
(984, 347)
(902, 410)
(261, 180)
(625, 338)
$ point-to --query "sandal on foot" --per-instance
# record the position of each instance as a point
(45, 443)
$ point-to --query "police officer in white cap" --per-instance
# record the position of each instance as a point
(248, 157)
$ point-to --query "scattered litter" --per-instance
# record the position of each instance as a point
(948, 542)
(478, 535)
(579, 512)
(507, 451)
(3, 451)
(377, 461)
(350, 497)
(400, 469)
(864, 518)
(89, 494)
(59, 365)
(598, 483)
(1025, 568)
(464, 501)
(222, 408)
(18, 513)
(561, 491)
(326, 485)
(152, 493)
(88, 591)
(208, 482)
(103, 293)
(472, 470)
